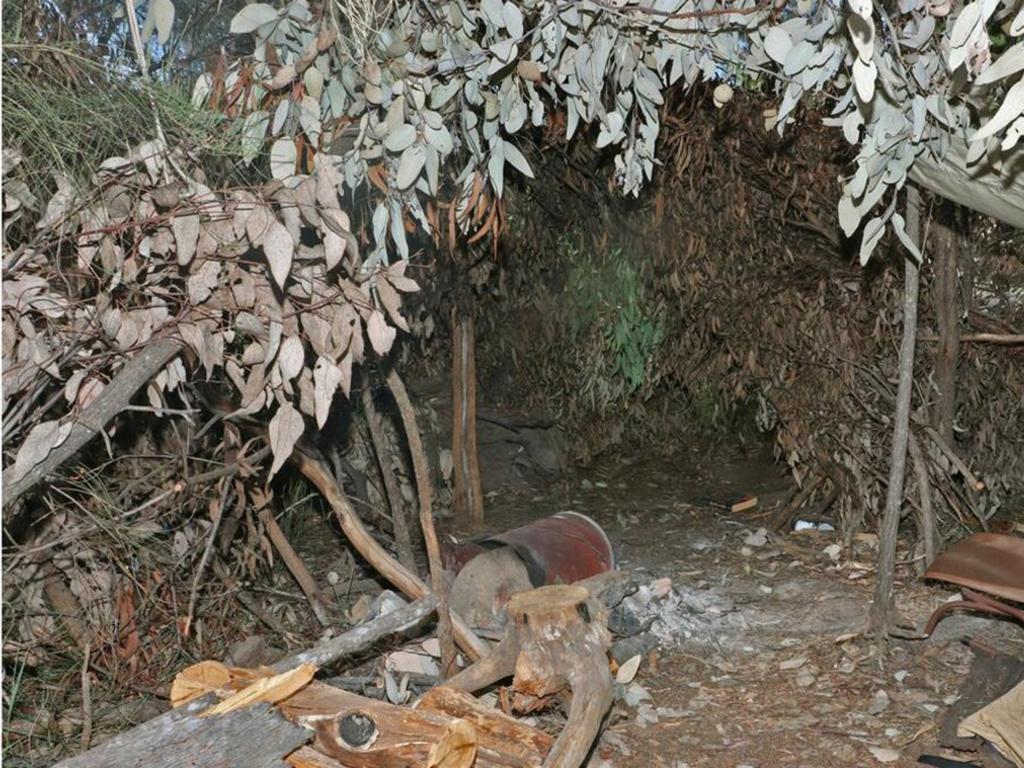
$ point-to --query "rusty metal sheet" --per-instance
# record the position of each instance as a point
(989, 562)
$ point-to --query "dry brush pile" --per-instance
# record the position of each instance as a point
(762, 307)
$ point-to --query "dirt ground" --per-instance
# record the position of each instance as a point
(754, 670)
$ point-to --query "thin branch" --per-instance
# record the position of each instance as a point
(1003, 339)
(422, 470)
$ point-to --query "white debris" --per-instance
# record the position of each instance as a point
(628, 671)
(794, 663)
(756, 539)
(884, 754)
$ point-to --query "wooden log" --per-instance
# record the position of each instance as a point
(518, 737)
(556, 641)
(363, 733)
(250, 738)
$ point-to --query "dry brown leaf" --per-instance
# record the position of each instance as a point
(392, 302)
(203, 281)
(186, 236)
(382, 335)
(334, 249)
(326, 378)
(286, 428)
(268, 690)
(279, 248)
(42, 439)
(282, 77)
(291, 358)
(345, 366)
(257, 222)
(456, 748)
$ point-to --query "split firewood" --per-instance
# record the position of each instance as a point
(256, 737)
(556, 642)
(359, 732)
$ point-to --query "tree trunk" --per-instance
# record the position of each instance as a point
(948, 320)
(469, 502)
(882, 613)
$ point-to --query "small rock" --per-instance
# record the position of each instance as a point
(805, 678)
(879, 703)
(646, 715)
(847, 666)
(766, 589)
(408, 661)
(901, 675)
(634, 694)
(661, 587)
(673, 713)
(794, 663)
(384, 603)
(833, 551)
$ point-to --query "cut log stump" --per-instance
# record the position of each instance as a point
(556, 642)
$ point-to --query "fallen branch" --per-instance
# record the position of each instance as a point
(296, 567)
(1006, 339)
(409, 583)
(926, 514)
(361, 637)
(403, 542)
(422, 471)
(94, 418)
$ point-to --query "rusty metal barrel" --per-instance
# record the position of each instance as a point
(560, 549)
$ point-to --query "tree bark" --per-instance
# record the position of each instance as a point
(947, 354)
(94, 418)
(882, 614)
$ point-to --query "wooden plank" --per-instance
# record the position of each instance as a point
(250, 738)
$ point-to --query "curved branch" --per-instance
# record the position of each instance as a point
(94, 418)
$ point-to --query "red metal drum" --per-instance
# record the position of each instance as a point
(560, 549)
